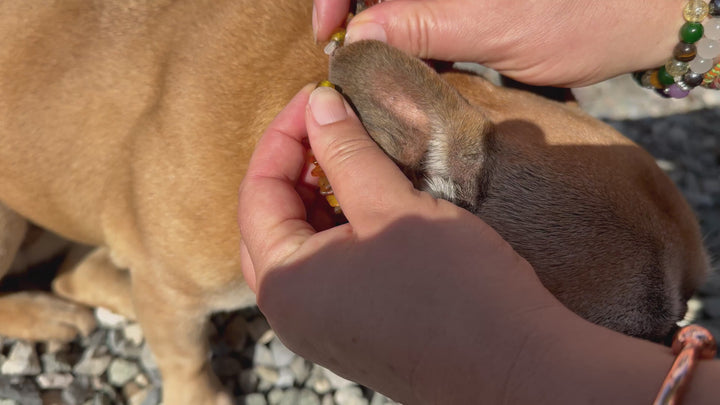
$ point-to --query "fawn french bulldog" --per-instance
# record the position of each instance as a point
(128, 125)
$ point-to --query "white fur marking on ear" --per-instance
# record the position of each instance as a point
(437, 163)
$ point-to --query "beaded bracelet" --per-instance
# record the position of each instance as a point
(691, 343)
(695, 58)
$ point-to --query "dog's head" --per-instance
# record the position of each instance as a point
(605, 229)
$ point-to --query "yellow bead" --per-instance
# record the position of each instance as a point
(332, 200)
(655, 80)
(339, 36)
(695, 10)
(325, 83)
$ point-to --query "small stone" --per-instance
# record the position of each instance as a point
(282, 355)
(93, 366)
(9, 402)
(317, 381)
(286, 379)
(78, 392)
(300, 369)
(100, 399)
(328, 400)
(54, 380)
(267, 374)
(147, 359)
(380, 399)
(258, 328)
(308, 397)
(152, 397)
(22, 360)
(55, 362)
(121, 347)
(336, 381)
(121, 371)
(109, 319)
(263, 356)
(20, 389)
(138, 397)
(351, 395)
(133, 334)
(255, 399)
(275, 396)
(141, 380)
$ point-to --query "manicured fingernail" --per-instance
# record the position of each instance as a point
(327, 106)
(314, 22)
(365, 30)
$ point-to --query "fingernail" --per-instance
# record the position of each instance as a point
(327, 106)
(314, 22)
(365, 30)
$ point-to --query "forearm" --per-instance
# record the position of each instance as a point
(563, 359)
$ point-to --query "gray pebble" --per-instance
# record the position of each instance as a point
(275, 396)
(282, 355)
(55, 362)
(300, 369)
(22, 360)
(286, 378)
(336, 381)
(254, 399)
(122, 371)
(19, 389)
(54, 380)
(268, 376)
(108, 319)
(94, 366)
(327, 399)
(317, 381)
(78, 392)
(350, 395)
(153, 397)
(308, 397)
(133, 334)
(263, 356)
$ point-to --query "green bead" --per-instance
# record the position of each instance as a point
(665, 77)
(691, 32)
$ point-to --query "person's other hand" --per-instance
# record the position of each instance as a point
(399, 294)
(558, 42)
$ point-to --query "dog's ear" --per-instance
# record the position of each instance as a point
(421, 121)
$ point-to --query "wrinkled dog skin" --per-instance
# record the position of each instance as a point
(128, 125)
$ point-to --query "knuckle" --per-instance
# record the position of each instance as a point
(420, 26)
(343, 151)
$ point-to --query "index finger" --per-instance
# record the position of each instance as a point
(271, 214)
(328, 15)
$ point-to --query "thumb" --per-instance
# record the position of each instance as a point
(370, 188)
(426, 29)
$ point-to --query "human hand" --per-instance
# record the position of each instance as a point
(560, 43)
(398, 295)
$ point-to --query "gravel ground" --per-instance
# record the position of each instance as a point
(114, 366)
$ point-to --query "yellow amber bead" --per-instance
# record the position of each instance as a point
(655, 80)
(339, 36)
(325, 83)
(695, 10)
(332, 200)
